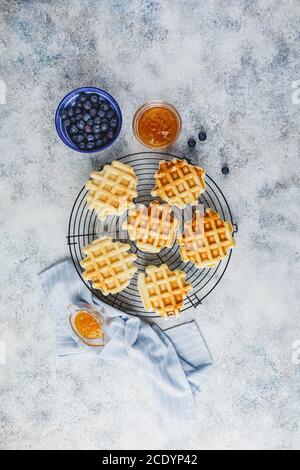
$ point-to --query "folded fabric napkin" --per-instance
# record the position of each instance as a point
(173, 360)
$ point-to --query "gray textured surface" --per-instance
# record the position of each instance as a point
(228, 65)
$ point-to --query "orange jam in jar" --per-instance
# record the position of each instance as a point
(157, 124)
(87, 325)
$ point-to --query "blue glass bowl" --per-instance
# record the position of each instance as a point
(69, 100)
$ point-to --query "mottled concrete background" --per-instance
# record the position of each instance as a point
(226, 65)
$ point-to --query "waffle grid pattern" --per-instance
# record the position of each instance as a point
(163, 291)
(108, 265)
(179, 183)
(111, 191)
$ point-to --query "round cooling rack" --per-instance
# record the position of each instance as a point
(84, 227)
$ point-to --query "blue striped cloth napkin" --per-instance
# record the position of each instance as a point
(173, 360)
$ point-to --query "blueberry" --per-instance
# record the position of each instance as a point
(96, 129)
(202, 136)
(109, 114)
(94, 99)
(90, 138)
(82, 146)
(93, 112)
(77, 110)
(64, 114)
(113, 122)
(73, 130)
(90, 145)
(101, 113)
(98, 143)
(103, 127)
(104, 139)
(110, 135)
(82, 97)
(78, 117)
(80, 138)
(73, 120)
(81, 125)
(90, 122)
(87, 105)
(70, 112)
(97, 120)
(97, 136)
(191, 142)
(67, 122)
(86, 117)
(78, 104)
(225, 170)
(104, 106)
(87, 129)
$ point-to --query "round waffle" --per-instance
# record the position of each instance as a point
(163, 291)
(111, 190)
(108, 264)
(152, 228)
(179, 183)
(206, 240)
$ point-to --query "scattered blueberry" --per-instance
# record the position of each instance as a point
(113, 122)
(99, 143)
(73, 130)
(90, 122)
(90, 138)
(87, 129)
(103, 127)
(82, 146)
(225, 170)
(77, 110)
(70, 112)
(202, 136)
(80, 138)
(97, 120)
(73, 120)
(191, 142)
(104, 139)
(67, 122)
(104, 106)
(86, 117)
(87, 105)
(78, 117)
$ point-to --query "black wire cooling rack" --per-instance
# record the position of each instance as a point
(84, 227)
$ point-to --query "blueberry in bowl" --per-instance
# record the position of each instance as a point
(88, 120)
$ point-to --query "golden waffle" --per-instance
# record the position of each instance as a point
(111, 190)
(108, 265)
(153, 227)
(179, 183)
(209, 245)
(163, 291)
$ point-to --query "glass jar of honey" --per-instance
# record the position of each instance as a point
(156, 125)
(87, 324)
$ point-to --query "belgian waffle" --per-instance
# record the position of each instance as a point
(163, 291)
(179, 183)
(153, 227)
(206, 247)
(108, 264)
(111, 190)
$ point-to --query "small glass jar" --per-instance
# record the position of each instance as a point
(156, 125)
(87, 324)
